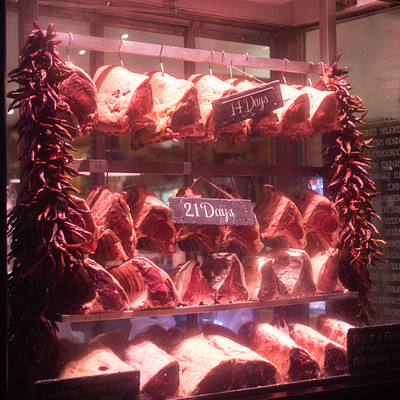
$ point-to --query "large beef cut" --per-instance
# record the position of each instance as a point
(79, 91)
(225, 273)
(123, 98)
(111, 211)
(159, 291)
(323, 110)
(175, 113)
(238, 239)
(96, 359)
(131, 279)
(250, 369)
(334, 329)
(192, 286)
(261, 279)
(109, 293)
(325, 270)
(293, 270)
(197, 237)
(281, 224)
(109, 251)
(209, 88)
(293, 362)
(152, 220)
(85, 220)
(216, 363)
(291, 120)
(331, 356)
(159, 371)
(320, 219)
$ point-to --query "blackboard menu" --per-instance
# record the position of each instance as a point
(385, 172)
(373, 348)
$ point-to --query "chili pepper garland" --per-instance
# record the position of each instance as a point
(45, 244)
(350, 188)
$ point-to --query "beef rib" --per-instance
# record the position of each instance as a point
(334, 329)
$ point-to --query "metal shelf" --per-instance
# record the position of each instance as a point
(183, 310)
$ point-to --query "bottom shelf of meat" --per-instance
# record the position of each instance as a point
(181, 363)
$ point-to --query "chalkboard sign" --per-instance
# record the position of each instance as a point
(121, 386)
(205, 211)
(247, 104)
(373, 348)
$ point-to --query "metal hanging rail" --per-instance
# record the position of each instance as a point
(187, 54)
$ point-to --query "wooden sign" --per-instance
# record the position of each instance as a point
(372, 348)
(237, 107)
(205, 211)
(121, 386)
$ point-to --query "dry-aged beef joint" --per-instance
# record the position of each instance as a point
(152, 220)
(159, 371)
(225, 273)
(293, 362)
(123, 97)
(111, 211)
(97, 359)
(159, 290)
(281, 224)
(191, 284)
(334, 329)
(331, 356)
(79, 91)
(175, 113)
(320, 219)
(326, 271)
(293, 270)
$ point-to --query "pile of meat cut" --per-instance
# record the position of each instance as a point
(214, 358)
(289, 252)
(156, 107)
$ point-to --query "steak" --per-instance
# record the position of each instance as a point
(333, 329)
(175, 113)
(293, 270)
(160, 291)
(293, 362)
(325, 271)
(291, 120)
(204, 238)
(261, 279)
(209, 88)
(225, 273)
(109, 294)
(111, 211)
(192, 286)
(281, 224)
(323, 110)
(320, 219)
(123, 98)
(159, 371)
(79, 91)
(152, 221)
(331, 356)
(97, 359)
(238, 239)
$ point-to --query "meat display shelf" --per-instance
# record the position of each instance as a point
(188, 168)
(106, 316)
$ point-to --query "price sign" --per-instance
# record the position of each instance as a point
(247, 104)
(205, 211)
(372, 348)
(121, 386)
